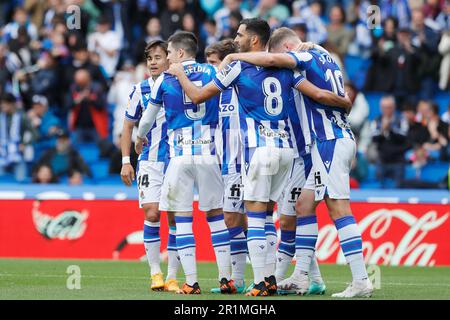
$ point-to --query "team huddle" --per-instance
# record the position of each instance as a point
(263, 122)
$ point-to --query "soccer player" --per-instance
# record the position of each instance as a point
(229, 149)
(332, 155)
(264, 96)
(150, 169)
(193, 162)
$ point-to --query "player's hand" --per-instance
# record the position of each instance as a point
(226, 61)
(127, 174)
(176, 69)
(305, 46)
(349, 105)
(140, 143)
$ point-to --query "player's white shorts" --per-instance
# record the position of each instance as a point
(299, 173)
(332, 162)
(233, 200)
(185, 172)
(150, 176)
(265, 173)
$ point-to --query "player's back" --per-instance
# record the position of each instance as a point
(264, 95)
(191, 127)
(321, 69)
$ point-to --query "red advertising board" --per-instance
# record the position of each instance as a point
(393, 234)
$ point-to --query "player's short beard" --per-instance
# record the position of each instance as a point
(245, 48)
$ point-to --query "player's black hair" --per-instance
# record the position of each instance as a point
(259, 27)
(184, 40)
(155, 44)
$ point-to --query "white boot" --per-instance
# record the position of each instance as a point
(356, 289)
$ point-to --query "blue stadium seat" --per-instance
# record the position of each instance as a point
(100, 169)
(7, 178)
(443, 100)
(370, 185)
(373, 98)
(371, 173)
(89, 152)
(113, 179)
(356, 68)
(434, 172)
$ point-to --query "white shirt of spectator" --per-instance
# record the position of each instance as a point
(108, 41)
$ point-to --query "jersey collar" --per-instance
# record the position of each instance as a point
(188, 62)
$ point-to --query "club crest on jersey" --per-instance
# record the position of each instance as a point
(225, 71)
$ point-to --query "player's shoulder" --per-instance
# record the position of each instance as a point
(303, 56)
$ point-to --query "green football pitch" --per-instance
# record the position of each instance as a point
(49, 279)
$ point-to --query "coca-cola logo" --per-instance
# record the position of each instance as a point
(411, 249)
(68, 225)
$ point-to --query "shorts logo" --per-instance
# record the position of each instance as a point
(295, 193)
(327, 164)
(235, 190)
(317, 179)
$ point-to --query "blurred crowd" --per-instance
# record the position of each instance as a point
(67, 67)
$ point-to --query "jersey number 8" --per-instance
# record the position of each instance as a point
(273, 103)
(201, 107)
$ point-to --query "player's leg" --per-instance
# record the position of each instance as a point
(152, 244)
(272, 240)
(235, 220)
(173, 260)
(177, 196)
(150, 177)
(338, 203)
(210, 189)
(286, 248)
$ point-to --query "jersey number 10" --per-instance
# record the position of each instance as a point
(336, 81)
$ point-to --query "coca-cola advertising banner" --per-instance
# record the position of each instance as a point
(393, 234)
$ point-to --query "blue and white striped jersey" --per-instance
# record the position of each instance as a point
(229, 145)
(327, 123)
(157, 148)
(298, 120)
(264, 96)
(190, 127)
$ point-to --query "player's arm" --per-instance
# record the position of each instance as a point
(196, 94)
(323, 96)
(127, 171)
(147, 121)
(263, 59)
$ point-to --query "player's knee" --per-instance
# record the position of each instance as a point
(302, 208)
(151, 213)
(287, 222)
(171, 220)
(231, 219)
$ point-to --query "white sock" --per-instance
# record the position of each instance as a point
(152, 243)
(238, 246)
(257, 244)
(305, 243)
(186, 248)
(285, 253)
(173, 260)
(351, 245)
(271, 235)
(314, 271)
(221, 242)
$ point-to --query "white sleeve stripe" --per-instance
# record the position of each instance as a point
(218, 84)
(226, 79)
(155, 89)
(299, 81)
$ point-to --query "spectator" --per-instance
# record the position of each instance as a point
(209, 32)
(16, 137)
(267, 9)
(426, 41)
(389, 136)
(43, 174)
(432, 8)
(443, 19)
(338, 33)
(107, 44)
(11, 30)
(438, 130)
(360, 110)
(88, 119)
(64, 160)
(397, 8)
(153, 32)
(118, 96)
(45, 80)
(446, 116)
(172, 17)
(444, 50)
(36, 10)
(45, 123)
(222, 17)
(310, 17)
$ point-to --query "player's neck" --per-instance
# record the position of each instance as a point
(187, 59)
